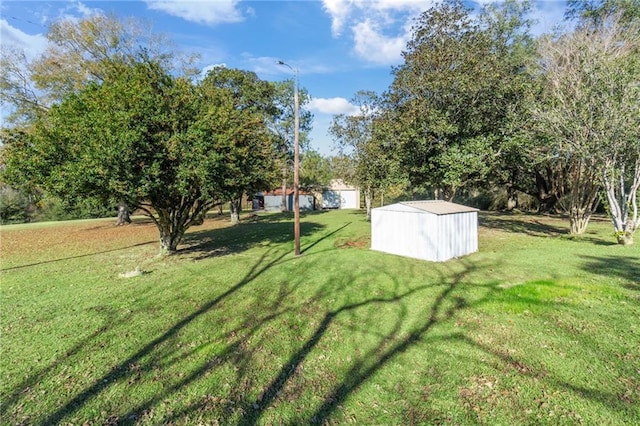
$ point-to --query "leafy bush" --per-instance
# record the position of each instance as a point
(14, 206)
(54, 209)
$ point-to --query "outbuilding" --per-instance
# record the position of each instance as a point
(340, 195)
(429, 230)
(272, 201)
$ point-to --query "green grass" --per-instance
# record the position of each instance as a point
(535, 328)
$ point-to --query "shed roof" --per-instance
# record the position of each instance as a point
(437, 207)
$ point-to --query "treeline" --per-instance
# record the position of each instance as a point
(480, 111)
(107, 116)
(481, 106)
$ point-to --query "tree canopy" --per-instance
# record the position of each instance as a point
(78, 53)
(590, 115)
(159, 143)
(365, 145)
(454, 97)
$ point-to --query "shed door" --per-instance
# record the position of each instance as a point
(348, 200)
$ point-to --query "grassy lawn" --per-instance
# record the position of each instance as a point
(535, 328)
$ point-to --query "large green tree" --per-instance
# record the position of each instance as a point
(78, 52)
(455, 97)
(590, 114)
(315, 171)
(161, 144)
(282, 124)
(360, 140)
(251, 96)
(596, 12)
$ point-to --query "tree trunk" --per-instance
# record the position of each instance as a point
(284, 204)
(235, 206)
(582, 196)
(549, 187)
(449, 193)
(622, 201)
(578, 220)
(368, 196)
(512, 198)
(172, 222)
(168, 243)
(625, 238)
(123, 214)
(169, 237)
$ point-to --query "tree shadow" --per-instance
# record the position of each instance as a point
(245, 341)
(44, 262)
(110, 322)
(324, 237)
(444, 308)
(625, 267)
(123, 370)
(242, 406)
(534, 225)
(509, 363)
(266, 230)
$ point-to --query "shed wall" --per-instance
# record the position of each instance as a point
(422, 235)
(405, 233)
(273, 203)
(457, 235)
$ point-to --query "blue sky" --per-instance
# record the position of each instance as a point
(338, 46)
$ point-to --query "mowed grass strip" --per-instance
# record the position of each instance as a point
(535, 328)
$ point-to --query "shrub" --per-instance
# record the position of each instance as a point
(14, 206)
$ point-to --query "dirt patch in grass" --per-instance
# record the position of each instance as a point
(78, 238)
(351, 243)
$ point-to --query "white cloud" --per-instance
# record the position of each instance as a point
(332, 106)
(372, 45)
(200, 11)
(339, 11)
(32, 45)
(84, 10)
(379, 28)
(211, 67)
(548, 16)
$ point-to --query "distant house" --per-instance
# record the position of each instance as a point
(340, 196)
(428, 230)
(272, 201)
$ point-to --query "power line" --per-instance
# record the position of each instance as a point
(26, 21)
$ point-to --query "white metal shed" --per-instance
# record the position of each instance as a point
(428, 230)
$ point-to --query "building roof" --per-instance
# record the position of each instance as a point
(278, 192)
(439, 207)
(340, 185)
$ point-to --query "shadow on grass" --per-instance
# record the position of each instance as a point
(242, 407)
(249, 399)
(123, 370)
(534, 225)
(44, 262)
(378, 357)
(245, 409)
(263, 230)
(236, 238)
(625, 267)
(511, 364)
(539, 225)
(24, 388)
